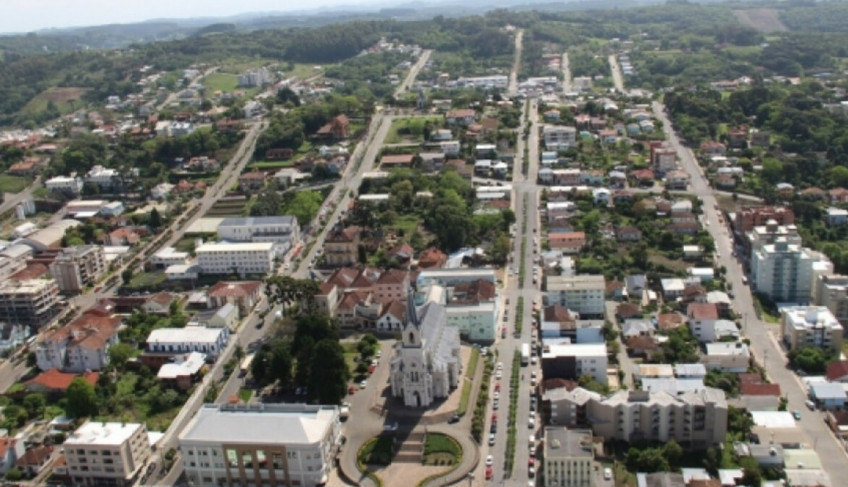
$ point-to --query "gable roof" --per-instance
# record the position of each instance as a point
(392, 276)
(750, 389)
(702, 311)
(559, 314)
(642, 342)
(395, 308)
(474, 291)
(837, 370)
(56, 380)
(233, 289)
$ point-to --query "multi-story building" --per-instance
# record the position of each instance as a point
(771, 232)
(236, 258)
(568, 408)
(786, 272)
(83, 344)
(831, 291)
(64, 184)
(749, 217)
(78, 267)
(583, 294)
(169, 256)
(164, 343)
(341, 246)
(282, 230)
(31, 302)
(559, 137)
(569, 454)
(260, 444)
(392, 285)
(454, 277)
(471, 307)
(111, 454)
(572, 360)
(101, 176)
(695, 419)
(254, 77)
(811, 326)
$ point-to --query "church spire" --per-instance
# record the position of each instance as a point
(411, 312)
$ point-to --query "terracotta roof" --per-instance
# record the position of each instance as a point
(749, 389)
(259, 175)
(432, 257)
(550, 384)
(33, 270)
(394, 308)
(403, 251)
(627, 310)
(750, 378)
(643, 174)
(669, 321)
(392, 276)
(489, 123)
(475, 291)
(614, 286)
(234, 288)
(558, 314)
(397, 159)
(704, 483)
(352, 298)
(34, 457)
(837, 370)
(326, 288)
(365, 278)
(702, 311)
(56, 380)
(162, 298)
(342, 235)
(642, 342)
(91, 330)
(812, 191)
(693, 290)
(461, 113)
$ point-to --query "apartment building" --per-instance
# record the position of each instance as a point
(260, 444)
(78, 267)
(341, 246)
(81, 345)
(572, 360)
(64, 184)
(813, 326)
(31, 302)
(112, 454)
(236, 258)
(583, 294)
(695, 419)
(282, 230)
(786, 272)
(747, 218)
(569, 455)
(454, 277)
(831, 291)
(559, 137)
(567, 408)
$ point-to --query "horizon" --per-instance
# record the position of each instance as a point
(25, 16)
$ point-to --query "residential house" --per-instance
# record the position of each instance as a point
(828, 395)
(54, 381)
(338, 128)
(628, 234)
(163, 344)
(466, 116)
(341, 246)
(252, 181)
(837, 371)
(122, 236)
(635, 285)
(567, 242)
(838, 195)
(734, 357)
(836, 217)
(432, 258)
(677, 180)
(397, 160)
(642, 346)
(672, 288)
(392, 316)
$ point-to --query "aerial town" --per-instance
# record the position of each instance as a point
(545, 260)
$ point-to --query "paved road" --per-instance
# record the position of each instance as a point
(413, 72)
(615, 69)
(516, 63)
(11, 200)
(764, 337)
(566, 74)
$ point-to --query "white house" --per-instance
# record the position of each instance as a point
(161, 190)
(225, 317)
(733, 357)
(210, 341)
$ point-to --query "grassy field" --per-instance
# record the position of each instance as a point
(441, 449)
(271, 164)
(245, 394)
(463, 399)
(398, 131)
(302, 71)
(220, 82)
(66, 100)
(13, 184)
(378, 451)
(407, 224)
(146, 280)
(472, 363)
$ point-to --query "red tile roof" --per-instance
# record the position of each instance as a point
(392, 276)
(34, 457)
(234, 288)
(837, 370)
(33, 270)
(669, 321)
(627, 310)
(558, 314)
(702, 311)
(642, 343)
(93, 329)
(749, 389)
(56, 380)
(394, 308)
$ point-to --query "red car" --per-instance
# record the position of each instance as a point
(351, 390)
(494, 417)
(531, 462)
(497, 387)
(489, 473)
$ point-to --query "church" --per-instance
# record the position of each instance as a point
(426, 365)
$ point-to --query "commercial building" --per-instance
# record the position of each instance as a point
(573, 360)
(831, 291)
(569, 454)
(169, 256)
(236, 258)
(78, 267)
(695, 419)
(260, 444)
(785, 272)
(813, 326)
(583, 294)
(282, 230)
(111, 454)
(31, 302)
(164, 343)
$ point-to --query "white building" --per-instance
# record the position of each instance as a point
(64, 184)
(583, 294)
(169, 256)
(811, 326)
(831, 291)
(209, 341)
(281, 444)
(495, 81)
(282, 230)
(161, 190)
(101, 176)
(569, 456)
(733, 357)
(426, 365)
(81, 345)
(452, 277)
(573, 360)
(240, 258)
(786, 272)
(559, 137)
(254, 77)
(107, 453)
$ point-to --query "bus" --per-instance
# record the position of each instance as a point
(246, 362)
(525, 354)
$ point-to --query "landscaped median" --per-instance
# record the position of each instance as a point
(468, 382)
(376, 451)
(514, 385)
(478, 422)
(444, 447)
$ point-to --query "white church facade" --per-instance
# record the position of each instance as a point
(427, 364)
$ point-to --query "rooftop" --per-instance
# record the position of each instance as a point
(562, 442)
(105, 434)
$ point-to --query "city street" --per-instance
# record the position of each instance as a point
(764, 337)
(566, 74)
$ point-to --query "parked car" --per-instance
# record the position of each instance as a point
(454, 419)
(490, 460)
(607, 473)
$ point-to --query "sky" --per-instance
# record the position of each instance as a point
(31, 15)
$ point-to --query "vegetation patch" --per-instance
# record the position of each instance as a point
(377, 451)
(13, 184)
(472, 363)
(463, 399)
(220, 82)
(514, 384)
(412, 130)
(441, 449)
(271, 164)
(147, 280)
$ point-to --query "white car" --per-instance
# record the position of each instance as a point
(499, 375)
(363, 384)
(531, 423)
(500, 365)
(607, 473)
(490, 460)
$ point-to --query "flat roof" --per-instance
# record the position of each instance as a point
(256, 220)
(205, 225)
(261, 424)
(235, 247)
(191, 334)
(561, 442)
(575, 350)
(773, 419)
(97, 433)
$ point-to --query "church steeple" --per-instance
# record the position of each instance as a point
(412, 328)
